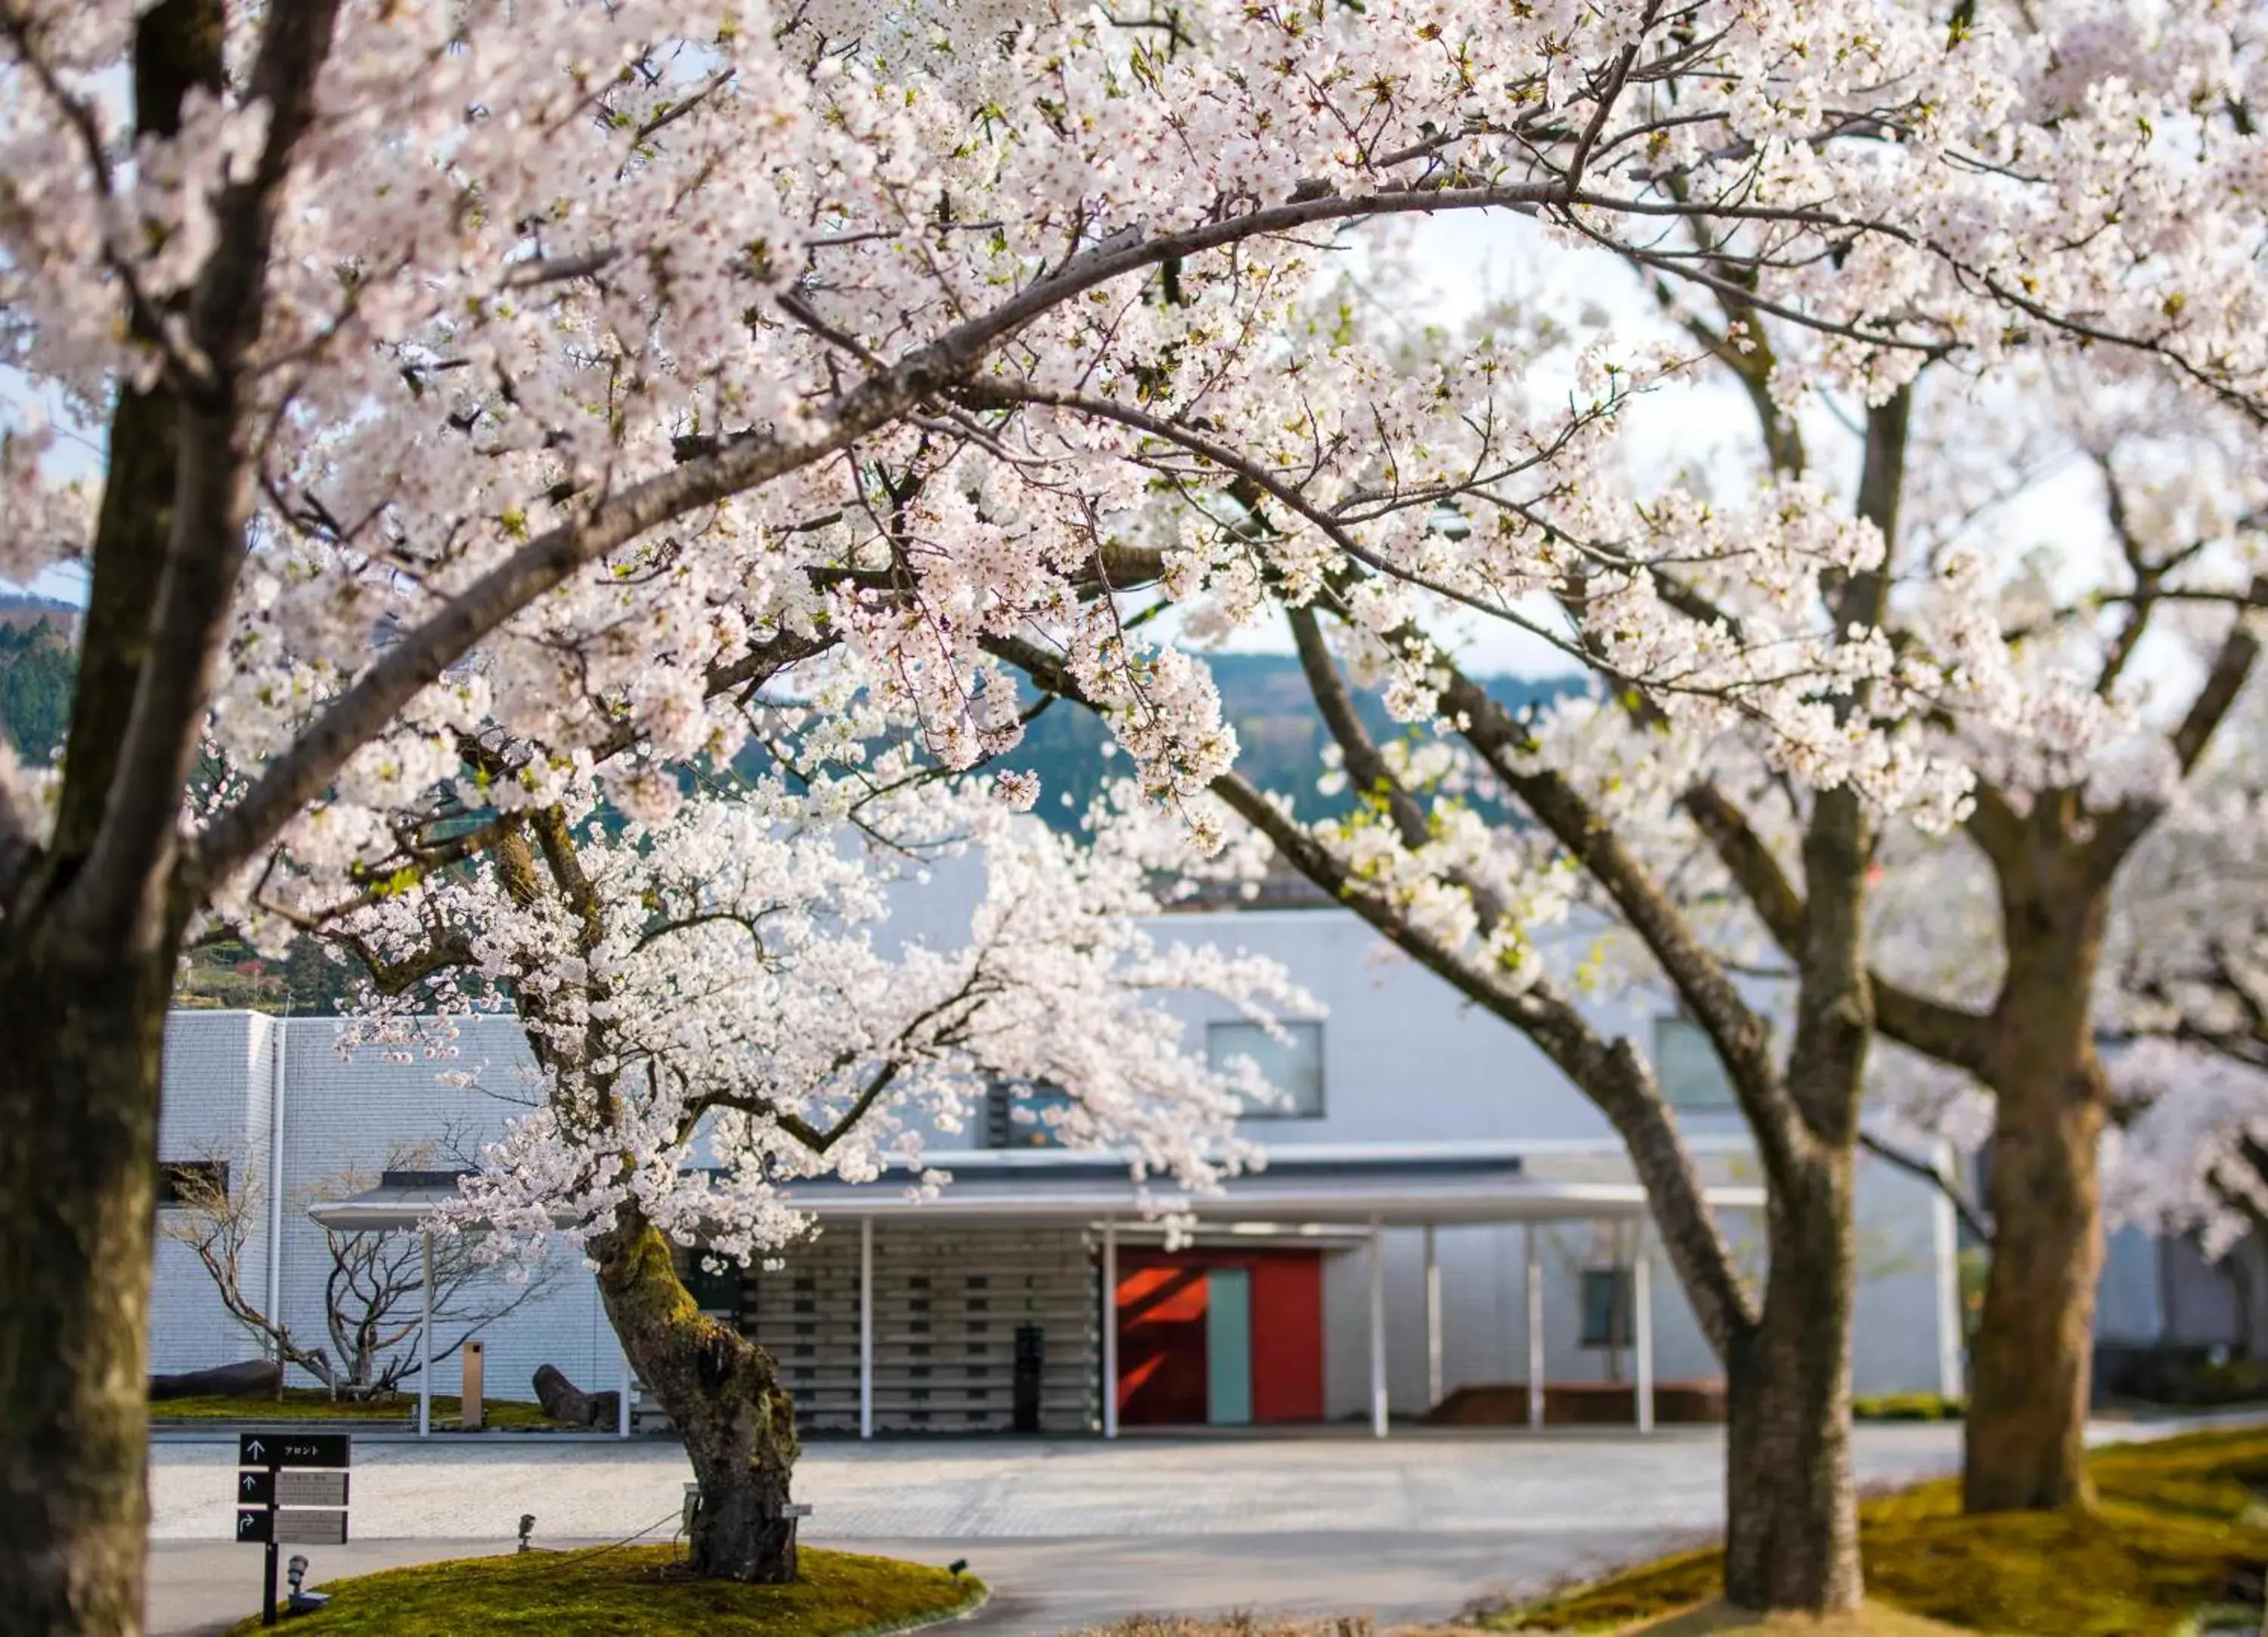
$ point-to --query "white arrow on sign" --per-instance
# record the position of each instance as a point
(256, 1449)
(251, 1482)
(244, 1521)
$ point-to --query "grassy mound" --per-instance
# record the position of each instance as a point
(2179, 1523)
(313, 1404)
(632, 1591)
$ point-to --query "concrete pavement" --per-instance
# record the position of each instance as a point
(1417, 1482)
(1068, 1533)
(1038, 1586)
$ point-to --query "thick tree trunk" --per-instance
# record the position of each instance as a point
(78, 1121)
(2032, 1360)
(724, 1394)
(1791, 1512)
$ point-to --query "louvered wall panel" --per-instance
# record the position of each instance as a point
(947, 1304)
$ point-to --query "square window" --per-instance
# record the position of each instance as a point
(716, 1290)
(1016, 1115)
(1292, 1066)
(1609, 1307)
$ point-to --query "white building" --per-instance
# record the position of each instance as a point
(1419, 1124)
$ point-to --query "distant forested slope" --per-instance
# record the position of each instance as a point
(37, 669)
(1280, 742)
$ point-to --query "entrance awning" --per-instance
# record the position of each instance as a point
(1365, 1185)
(1307, 1190)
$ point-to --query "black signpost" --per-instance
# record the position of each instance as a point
(291, 1488)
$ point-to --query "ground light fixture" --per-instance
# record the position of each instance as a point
(295, 1576)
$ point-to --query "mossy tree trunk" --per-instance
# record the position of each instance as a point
(79, 1121)
(724, 1394)
(1792, 1509)
(86, 970)
(1792, 1512)
(2032, 1360)
(92, 916)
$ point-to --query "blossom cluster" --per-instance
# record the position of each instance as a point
(728, 1002)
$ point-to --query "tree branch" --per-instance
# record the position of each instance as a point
(206, 542)
(1948, 1033)
(1965, 1208)
(1613, 1075)
(2123, 828)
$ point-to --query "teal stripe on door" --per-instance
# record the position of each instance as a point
(1228, 1346)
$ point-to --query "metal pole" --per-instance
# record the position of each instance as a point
(1642, 1299)
(1535, 1327)
(1109, 1328)
(1433, 1319)
(865, 1326)
(268, 1583)
(1378, 1399)
(623, 1406)
(1945, 1244)
(425, 1341)
(276, 1172)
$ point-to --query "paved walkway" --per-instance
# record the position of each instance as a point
(1041, 1588)
(1045, 1489)
(1068, 1533)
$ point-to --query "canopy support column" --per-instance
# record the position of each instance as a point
(1642, 1301)
(425, 1336)
(1109, 1327)
(865, 1326)
(1378, 1402)
(1535, 1327)
(1433, 1319)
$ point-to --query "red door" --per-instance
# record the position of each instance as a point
(1162, 1335)
(1161, 1345)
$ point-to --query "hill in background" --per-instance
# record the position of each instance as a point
(1280, 740)
(36, 670)
(1264, 697)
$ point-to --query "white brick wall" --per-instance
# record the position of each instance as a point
(217, 1071)
(344, 1115)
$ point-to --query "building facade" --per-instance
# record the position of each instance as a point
(1443, 1210)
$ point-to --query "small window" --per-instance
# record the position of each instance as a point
(1016, 1115)
(718, 1290)
(1293, 1066)
(1692, 1077)
(1609, 1308)
(188, 1182)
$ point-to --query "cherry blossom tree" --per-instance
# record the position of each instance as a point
(716, 1014)
(2079, 885)
(641, 352)
(1468, 898)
